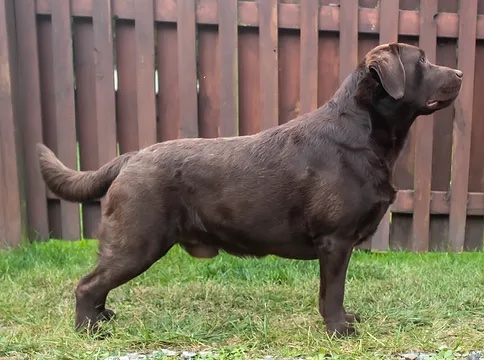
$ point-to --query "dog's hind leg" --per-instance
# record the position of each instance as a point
(122, 257)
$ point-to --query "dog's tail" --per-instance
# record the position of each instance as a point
(78, 186)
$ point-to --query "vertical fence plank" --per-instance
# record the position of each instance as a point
(104, 67)
(289, 71)
(86, 111)
(309, 56)
(168, 90)
(229, 95)
(145, 72)
(474, 233)
(30, 104)
(47, 99)
(249, 84)
(388, 34)
(268, 52)
(442, 150)
(463, 126)
(126, 98)
(328, 66)
(64, 107)
(442, 145)
(348, 41)
(424, 139)
(104, 86)
(12, 217)
(187, 68)
(209, 78)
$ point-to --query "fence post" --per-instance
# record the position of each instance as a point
(12, 201)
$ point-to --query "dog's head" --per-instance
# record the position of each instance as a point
(404, 76)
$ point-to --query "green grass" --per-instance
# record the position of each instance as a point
(241, 306)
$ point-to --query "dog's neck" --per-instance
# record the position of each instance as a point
(388, 129)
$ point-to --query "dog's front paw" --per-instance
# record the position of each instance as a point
(352, 317)
(340, 329)
(106, 315)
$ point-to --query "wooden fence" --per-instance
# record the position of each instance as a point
(95, 78)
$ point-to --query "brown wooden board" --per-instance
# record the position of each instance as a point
(329, 19)
(187, 63)
(475, 224)
(104, 82)
(348, 42)
(309, 56)
(126, 97)
(47, 91)
(168, 91)
(145, 72)
(401, 224)
(366, 42)
(442, 145)
(442, 151)
(249, 84)
(104, 90)
(62, 61)
(269, 63)
(388, 33)
(228, 88)
(209, 77)
(31, 119)
(83, 42)
(328, 66)
(410, 4)
(424, 140)
(463, 126)
(289, 80)
(12, 220)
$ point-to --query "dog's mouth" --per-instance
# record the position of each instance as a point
(446, 96)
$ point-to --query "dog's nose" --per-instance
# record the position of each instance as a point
(459, 73)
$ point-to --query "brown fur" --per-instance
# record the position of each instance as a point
(312, 188)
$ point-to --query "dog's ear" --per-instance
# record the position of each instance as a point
(387, 64)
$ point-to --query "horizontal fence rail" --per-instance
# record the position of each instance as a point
(98, 78)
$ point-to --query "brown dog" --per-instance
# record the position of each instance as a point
(312, 188)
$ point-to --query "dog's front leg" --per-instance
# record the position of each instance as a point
(334, 256)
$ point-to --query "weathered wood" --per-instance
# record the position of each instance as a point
(187, 61)
(348, 38)
(309, 56)
(145, 72)
(12, 214)
(424, 139)
(249, 84)
(30, 118)
(64, 107)
(289, 16)
(474, 233)
(104, 81)
(268, 50)
(168, 91)
(463, 126)
(228, 49)
(209, 120)
(86, 112)
(388, 33)
(289, 75)
(126, 99)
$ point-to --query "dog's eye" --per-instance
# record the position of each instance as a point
(422, 59)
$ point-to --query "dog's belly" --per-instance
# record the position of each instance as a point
(208, 245)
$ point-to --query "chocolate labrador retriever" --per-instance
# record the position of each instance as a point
(312, 188)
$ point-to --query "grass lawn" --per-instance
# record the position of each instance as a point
(245, 307)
